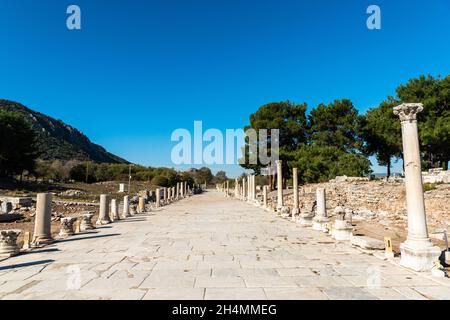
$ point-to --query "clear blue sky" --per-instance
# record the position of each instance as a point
(140, 69)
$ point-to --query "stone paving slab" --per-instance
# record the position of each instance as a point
(209, 247)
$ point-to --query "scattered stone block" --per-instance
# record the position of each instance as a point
(367, 243)
(8, 243)
(86, 223)
(66, 229)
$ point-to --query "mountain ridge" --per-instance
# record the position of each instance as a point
(57, 140)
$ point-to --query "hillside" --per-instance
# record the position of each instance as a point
(57, 140)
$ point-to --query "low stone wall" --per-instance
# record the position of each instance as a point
(437, 175)
(382, 200)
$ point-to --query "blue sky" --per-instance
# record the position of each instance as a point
(140, 69)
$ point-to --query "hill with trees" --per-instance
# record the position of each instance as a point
(56, 140)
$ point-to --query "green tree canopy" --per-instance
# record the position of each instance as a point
(17, 144)
(289, 118)
(336, 124)
(434, 120)
(382, 134)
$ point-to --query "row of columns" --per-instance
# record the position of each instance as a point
(417, 252)
(108, 213)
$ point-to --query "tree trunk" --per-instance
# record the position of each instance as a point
(389, 167)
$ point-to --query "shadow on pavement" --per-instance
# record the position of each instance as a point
(26, 264)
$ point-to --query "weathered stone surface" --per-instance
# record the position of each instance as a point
(67, 227)
(86, 221)
(368, 243)
(8, 243)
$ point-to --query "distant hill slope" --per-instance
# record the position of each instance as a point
(57, 140)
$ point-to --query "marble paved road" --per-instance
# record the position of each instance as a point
(209, 247)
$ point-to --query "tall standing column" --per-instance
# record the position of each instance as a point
(253, 187)
(42, 220)
(236, 188)
(114, 210)
(244, 186)
(249, 188)
(165, 195)
(141, 205)
(177, 195)
(103, 215)
(417, 252)
(126, 207)
(185, 189)
(265, 196)
(295, 210)
(182, 189)
(228, 189)
(280, 202)
(320, 220)
(158, 197)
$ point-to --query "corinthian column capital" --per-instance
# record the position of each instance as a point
(408, 111)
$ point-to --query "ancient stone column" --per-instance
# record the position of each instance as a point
(42, 222)
(114, 210)
(86, 222)
(103, 216)
(249, 188)
(185, 189)
(141, 205)
(253, 184)
(126, 207)
(164, 195)
(265, 196)
(8, 243)
(236, 188)
(227, 189)
(295, 209)
(177, 193)
(158, 198)
(417, 252)
(181, 190)
(320, 220)
(66, 228)
(280, 201)
(244, 186)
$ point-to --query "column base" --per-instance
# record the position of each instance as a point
(295, 212)
(419, 256)
(319, 223)
(341, 231)
(305, 220)
(283, 211)
(103, 222)
(43, 240)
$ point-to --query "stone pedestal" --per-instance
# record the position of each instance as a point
(305, 219)
(66, 228)
(103, 216)
(320, 220)
(42, 222)
(342, 230)
(8, 243)
(417, 252)
(126, 208)
(86, 222)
